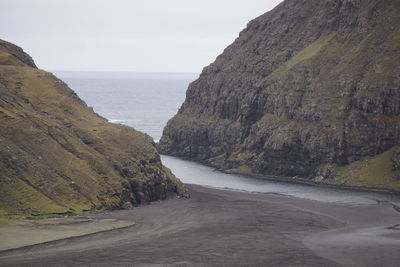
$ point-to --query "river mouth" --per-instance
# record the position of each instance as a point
(190, 172)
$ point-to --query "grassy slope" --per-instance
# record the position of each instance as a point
(56, 155)
(372, 171)
(307, 53)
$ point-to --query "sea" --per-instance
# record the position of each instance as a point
(146, 101)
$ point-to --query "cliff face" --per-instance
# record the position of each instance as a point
(306, 87)
(57, 155)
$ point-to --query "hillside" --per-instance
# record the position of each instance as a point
(58, 156)
(309, 89)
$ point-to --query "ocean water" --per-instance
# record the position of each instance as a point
(146, 101)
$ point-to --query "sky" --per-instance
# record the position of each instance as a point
(126, 35)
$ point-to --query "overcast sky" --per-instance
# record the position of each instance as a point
(126, 35)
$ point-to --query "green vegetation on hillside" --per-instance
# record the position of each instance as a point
(305, 87)
(307, 53)
(58, 156)
(370, 171)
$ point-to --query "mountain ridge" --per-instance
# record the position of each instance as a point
(58, 156)
(306, 89)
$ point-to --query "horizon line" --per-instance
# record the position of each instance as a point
(183, 72)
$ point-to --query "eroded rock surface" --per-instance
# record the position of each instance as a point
(58, 156)
(306, 87)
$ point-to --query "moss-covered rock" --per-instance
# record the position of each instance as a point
(57, 155)
(306, 87)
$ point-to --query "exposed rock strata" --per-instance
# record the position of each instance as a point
(306, 87)
(57, 156)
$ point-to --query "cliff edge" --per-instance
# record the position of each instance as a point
(309, 89)
(58, 156)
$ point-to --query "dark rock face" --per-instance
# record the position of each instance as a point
(305, 87)
(15, 55)
(58, 156)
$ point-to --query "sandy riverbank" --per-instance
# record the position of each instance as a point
(227, 228)
(21, 233)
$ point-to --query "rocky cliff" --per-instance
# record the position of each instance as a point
(58, 156)
(307, 89)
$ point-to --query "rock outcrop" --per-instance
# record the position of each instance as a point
(306, 88)
(58, 156)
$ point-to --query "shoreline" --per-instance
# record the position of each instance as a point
(18, 234)
(300, 180)
(230, 228)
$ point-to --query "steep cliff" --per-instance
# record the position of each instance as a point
(311, 86)
(57, 155)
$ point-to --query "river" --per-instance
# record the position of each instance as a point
(145, 101)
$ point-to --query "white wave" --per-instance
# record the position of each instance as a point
(118, 121)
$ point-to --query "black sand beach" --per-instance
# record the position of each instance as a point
(229, 228)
